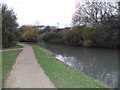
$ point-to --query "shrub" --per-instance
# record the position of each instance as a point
(28, 34)
(87, 43)
(46, 36)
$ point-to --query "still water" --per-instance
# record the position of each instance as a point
(101, 64)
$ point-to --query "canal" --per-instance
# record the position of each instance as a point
(99, 63)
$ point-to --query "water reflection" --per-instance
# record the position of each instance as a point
(101, 64)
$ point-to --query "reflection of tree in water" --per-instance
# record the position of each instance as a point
(91, 69)
(98, 63)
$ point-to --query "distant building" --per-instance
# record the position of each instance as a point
(42, 27)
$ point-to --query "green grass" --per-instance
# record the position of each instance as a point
(0, 70)
(8, 59)
(62, 75)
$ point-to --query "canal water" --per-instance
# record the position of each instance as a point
(99, 63)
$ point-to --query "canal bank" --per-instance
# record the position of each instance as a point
(61, 74)
(99, 63)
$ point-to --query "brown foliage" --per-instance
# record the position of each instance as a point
(28, 33)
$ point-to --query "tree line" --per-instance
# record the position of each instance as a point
(95, 24)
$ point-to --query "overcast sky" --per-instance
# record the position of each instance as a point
(43, 12)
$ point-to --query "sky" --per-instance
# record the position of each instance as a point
(43, 12)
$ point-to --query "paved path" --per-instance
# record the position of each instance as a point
(27, 73)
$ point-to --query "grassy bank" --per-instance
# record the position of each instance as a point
(0, 70)
(62, 75)
(8, 59)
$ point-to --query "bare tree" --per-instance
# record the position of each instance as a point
(93, 12)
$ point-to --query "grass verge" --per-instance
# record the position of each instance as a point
(62, 75)
(8, 59)
(0, 70)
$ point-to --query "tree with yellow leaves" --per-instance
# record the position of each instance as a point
(28, 33)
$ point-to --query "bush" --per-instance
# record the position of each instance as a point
(28, 33)
(46, 36)
(87, 43)
(65, 36)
